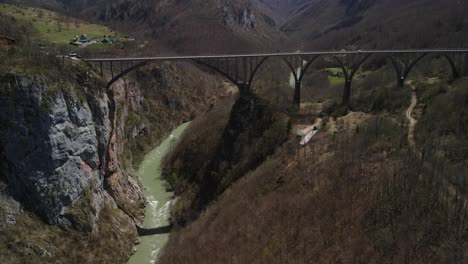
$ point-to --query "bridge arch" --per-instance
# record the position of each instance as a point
(256, 70)
(126, 71)
(215, 69)
(402, 71)
(243, 83)
(455, 70)
(349, 71)
(299, 76)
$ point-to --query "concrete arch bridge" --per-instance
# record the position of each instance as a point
(240, 69)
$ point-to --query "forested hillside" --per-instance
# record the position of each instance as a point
(384, 178)
(336, 24)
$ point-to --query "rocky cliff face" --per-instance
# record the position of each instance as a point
(54, 144)
(235, 17)
(52, 147)
(247, 19)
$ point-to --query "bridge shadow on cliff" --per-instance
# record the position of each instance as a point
(154, 231)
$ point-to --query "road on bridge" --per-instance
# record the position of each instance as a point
(279, 54)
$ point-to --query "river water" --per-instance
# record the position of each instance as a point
(159, 200)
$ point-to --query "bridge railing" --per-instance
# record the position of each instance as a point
(279, 54)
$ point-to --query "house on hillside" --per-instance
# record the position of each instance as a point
(79, 40)
(107, 40)
(84, 38)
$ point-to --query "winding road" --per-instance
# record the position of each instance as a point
(409, 112)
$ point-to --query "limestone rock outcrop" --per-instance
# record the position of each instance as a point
(54, 142)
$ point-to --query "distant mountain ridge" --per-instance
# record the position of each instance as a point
(326, 24)
(187, 26)
(223, 26)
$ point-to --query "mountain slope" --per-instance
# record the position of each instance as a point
(379, 23)
(197, 26)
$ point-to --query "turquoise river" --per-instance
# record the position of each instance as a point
(158, 199)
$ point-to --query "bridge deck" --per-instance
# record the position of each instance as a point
(278, 54)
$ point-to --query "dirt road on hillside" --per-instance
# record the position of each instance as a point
(409, 112)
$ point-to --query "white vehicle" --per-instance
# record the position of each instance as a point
(74, 56)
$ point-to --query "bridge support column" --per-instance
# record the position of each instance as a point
(455, 62)
(401, 81)
(347, 92)
(403, 67)
(455, 74)
(112, 70)
(297, 95)
(349, 66)
(464, 67)
(244, 88)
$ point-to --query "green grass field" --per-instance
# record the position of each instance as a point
(335, 80)
(53, 27)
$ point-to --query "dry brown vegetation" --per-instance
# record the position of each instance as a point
(382, 24)
(13, 28)
(444, 121)
(158, 99)
(219, 148)
(32, 241)
(358, 196)
(198, 146)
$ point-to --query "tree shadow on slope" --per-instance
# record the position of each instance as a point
(238, 142)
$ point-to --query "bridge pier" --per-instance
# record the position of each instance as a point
(347, 92)
(464, 66)
(298, 69)
(350, 67)
(297, 95)
(404, 66)
(244, 88)
(401, 81)
(455, 61)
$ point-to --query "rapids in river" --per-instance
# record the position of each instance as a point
(159, 200)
